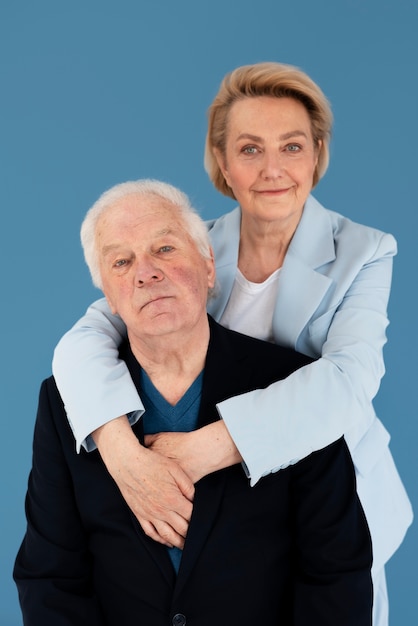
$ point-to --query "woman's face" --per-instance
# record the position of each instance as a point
(270, 158)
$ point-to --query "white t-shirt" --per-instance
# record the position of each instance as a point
(250, 306)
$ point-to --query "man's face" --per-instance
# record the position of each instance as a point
(153, 275)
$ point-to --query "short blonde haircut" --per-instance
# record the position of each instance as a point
(266, 79)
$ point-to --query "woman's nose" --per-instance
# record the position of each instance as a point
(272, 166)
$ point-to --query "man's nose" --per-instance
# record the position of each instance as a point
(147, 271)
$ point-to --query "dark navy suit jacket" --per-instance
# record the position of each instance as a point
(293, 550)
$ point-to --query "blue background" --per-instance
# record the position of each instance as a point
(97, 92)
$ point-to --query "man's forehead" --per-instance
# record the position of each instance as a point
(153, 218)
(135, 208)
(138, 201)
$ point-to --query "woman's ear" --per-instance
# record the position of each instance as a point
(220, 159)
(319, 144)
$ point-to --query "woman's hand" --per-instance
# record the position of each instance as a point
(155, 487)
(199, 452)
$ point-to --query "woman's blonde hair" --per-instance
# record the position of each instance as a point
(266, 79)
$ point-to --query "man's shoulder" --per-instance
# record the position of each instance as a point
(244, 345)
(49, 391)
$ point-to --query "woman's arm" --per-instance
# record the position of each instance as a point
(274, 427)
(330, 397)
(94, 383)
(199, 452)
(307, 411)
(155, 487)
(97, 389)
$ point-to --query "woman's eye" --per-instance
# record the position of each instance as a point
(249, 150)
(293, 147)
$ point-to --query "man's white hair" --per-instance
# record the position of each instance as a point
(193, 223)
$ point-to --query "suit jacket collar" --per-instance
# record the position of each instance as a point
(229, 369)
(226, 369)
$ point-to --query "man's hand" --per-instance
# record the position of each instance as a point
(155, 487)
(199, 452)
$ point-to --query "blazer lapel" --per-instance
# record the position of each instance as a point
(225, 236)
(312, 246)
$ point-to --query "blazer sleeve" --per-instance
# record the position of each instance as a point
(333, 396)
(52, 569)
(94, 383)
(334, 555)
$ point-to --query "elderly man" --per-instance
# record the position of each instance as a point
(293, 550)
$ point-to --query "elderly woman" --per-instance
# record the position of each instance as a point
(289, 271)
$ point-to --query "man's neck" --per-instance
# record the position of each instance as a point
(173, 361)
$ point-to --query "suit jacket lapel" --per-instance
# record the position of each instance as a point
(227, 372)
(157, 551)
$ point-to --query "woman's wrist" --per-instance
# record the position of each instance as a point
(216, 448)
(113, 438)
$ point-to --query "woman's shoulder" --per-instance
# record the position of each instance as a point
(229, 221)
(224, 235)
(344, 228)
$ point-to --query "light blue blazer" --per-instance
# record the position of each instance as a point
(332, 303)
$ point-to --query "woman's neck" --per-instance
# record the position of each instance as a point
(262, 252)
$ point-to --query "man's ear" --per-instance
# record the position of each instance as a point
(112, 308)
(211, 270)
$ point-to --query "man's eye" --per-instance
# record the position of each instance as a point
(165, 249)
(120, 263)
